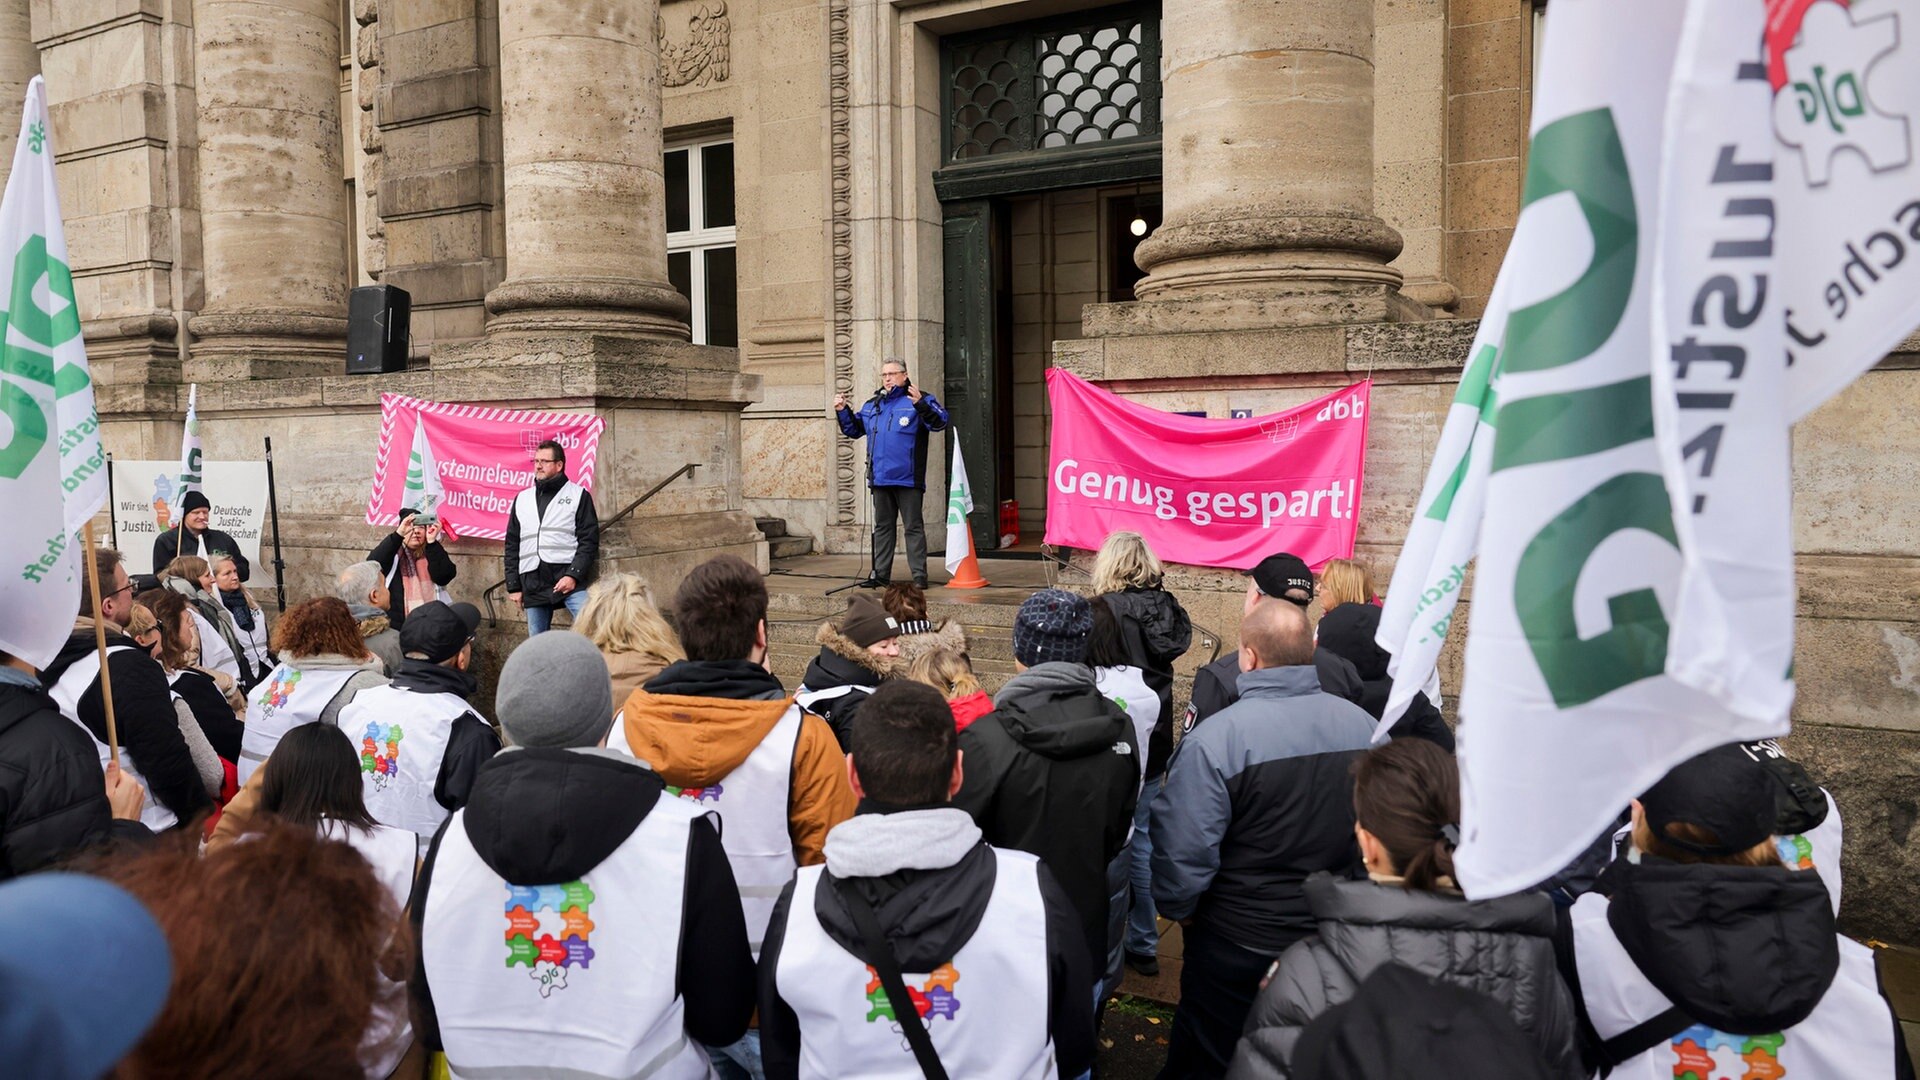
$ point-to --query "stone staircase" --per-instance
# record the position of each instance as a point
(793, 618)
(780, 543)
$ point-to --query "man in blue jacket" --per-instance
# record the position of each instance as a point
(895, 421)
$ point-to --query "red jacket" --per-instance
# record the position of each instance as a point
(970, 708)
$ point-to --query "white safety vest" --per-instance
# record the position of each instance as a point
(215, 653)
(985, 1010)
(1850, 1033)
(752, 803)
(66, 692)
(575, 979)
(810, 700)
(548, 537)
(288, 698)
(391, 852)
(403, 739)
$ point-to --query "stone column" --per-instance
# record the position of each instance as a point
(19, 63)
(585, 191)
(272, 203)
(1267, 130)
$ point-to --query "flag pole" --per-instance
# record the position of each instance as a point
(100, 644)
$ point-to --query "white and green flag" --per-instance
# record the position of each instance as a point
(53, 475)
(423, 491)
(192, 474)
(959, 505)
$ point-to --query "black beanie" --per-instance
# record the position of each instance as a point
(194, 500)
(867, 623)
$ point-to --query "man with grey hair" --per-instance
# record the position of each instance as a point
(364, 588)
(895, 421)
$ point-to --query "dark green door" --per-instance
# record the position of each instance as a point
(979, 389)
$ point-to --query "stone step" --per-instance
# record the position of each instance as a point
(786, 547)
(771, 527)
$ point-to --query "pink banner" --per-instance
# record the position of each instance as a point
(1223, 493)
(484, 457)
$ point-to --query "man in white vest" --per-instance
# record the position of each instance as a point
(917, 938)
(1700, 953)
(421, 745)
(574, 919)
(152, 751)
(553, 540)
(727, 737)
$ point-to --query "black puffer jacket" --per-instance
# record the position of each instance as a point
(53, 801)
(1157, 632)
(1348, 632)
(839, 679)
(148, 728)
(1053, 771)
(1502, 948)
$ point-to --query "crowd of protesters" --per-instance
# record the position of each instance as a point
(314, 856)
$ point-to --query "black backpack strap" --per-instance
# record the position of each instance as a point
(1602, 1056)
(888, 968)
(1642, 1037)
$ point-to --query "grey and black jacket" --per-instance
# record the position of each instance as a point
(1217, 685)
(1257, 799)
(1501, 947)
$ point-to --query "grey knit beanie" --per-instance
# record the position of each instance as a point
(1052, 625)
(555, 691)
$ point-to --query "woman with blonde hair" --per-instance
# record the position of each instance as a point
(220, 647)
(1154, 632)
(249, 621)
(1345, 581)
(950, 672)
(623, 622)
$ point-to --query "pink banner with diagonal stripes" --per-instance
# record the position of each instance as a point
(484, 456)
(1206, 492)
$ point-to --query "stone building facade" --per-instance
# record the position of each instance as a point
(702, 218)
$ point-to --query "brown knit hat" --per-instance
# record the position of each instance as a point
(866, 622)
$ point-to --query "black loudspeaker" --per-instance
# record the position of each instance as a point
(377, 329)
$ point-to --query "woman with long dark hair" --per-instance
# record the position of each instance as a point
(1409, 911)
(174, 641)
(313, 781)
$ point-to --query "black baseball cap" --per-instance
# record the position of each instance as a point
(1276, 575)
(1724, 791)
(438, 631)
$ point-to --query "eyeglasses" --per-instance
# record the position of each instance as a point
(546, 461)
(128, 587)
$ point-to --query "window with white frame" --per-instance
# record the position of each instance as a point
(700, 236)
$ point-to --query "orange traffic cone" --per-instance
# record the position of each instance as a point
(968, 576)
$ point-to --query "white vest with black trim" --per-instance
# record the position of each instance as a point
(286, 699)
(548, 537)
(402, 737)
(67, 692)
(393, 856)
(985, 1010)
(574, 979)
(1849, 1034)
(752, 802)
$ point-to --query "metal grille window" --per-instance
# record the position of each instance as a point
(701, 236)
(1054, 84)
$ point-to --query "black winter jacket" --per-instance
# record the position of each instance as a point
(170, 545)
(386, 555)
(1054, 771)
(1502, 948)
(1217, 685)
(839, 679)
(1348, 632)
(144, 719)
(928, 916)
(541, 815)
(536, 585)
(53, 799)
(1157, 632)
